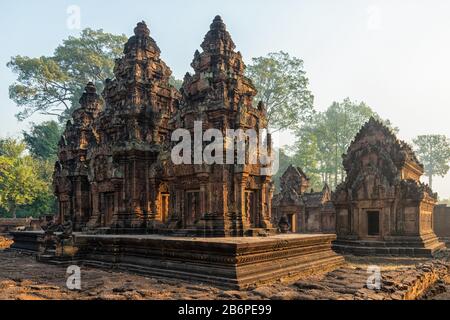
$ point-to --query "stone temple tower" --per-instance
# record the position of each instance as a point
(116, 174)
(220, 199)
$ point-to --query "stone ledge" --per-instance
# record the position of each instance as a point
(228, 262)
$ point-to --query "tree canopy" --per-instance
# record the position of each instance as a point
(20, 183)
(52, 85)
(42, 140)
(433, 151)
(283, 87)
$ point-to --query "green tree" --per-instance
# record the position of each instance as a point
(283, 87)
(42, 140)
(20, 183)
(52, 85)
(433, 151)
(177, 83)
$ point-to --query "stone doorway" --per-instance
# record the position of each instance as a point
(163, 203)
(292, 218)
(107, 206)
(164, 207)
(373, 223)
(192, 212)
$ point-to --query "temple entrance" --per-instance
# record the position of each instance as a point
(107, 207)
(164, 206)
(192, 207)
(292, 221)
(251, 209)
(373, 223)
(163, 203)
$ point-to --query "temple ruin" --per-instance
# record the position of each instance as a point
(115, 173)
(124, 203)
(302, 211)
(382, 207)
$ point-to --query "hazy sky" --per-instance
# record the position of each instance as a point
(393, 54)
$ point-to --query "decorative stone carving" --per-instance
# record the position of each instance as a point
(382, 199)
(123, 149)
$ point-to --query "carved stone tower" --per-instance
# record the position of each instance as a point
(220, 199)
(70, 178)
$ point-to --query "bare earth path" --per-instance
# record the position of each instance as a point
(21, 277)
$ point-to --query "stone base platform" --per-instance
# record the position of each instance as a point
(225, 262)
(423, 246)
(446, 240)
(27, 241)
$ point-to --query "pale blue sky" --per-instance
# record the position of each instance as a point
(393, 54)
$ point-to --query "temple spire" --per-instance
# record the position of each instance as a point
(218, 40)
(218, 24)
(142, 30)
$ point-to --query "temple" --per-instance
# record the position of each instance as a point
(125, 200)
(297, 210)
(382, 207)
(115, 173)
(109, 173)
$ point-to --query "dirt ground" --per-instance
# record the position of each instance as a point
(23, 278)
(5, 242)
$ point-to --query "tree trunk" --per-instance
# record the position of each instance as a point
(13, 211)
(430, 181)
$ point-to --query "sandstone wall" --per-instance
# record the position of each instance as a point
(441, 221)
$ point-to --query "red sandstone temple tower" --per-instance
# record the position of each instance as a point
(220, 199)
(382, 207)
(131, 132)
(70, 179)
(118, 165)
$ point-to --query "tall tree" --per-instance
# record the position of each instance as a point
(283, 87)
(434, 152)
(52, 85)
(20, 183)
(42, 140)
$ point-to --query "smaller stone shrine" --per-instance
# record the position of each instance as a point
(382, 207)
(296, 210)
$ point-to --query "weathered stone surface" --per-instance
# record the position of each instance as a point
(382, 207)
(234, 262)
(441, 222)
(7, 225)
(43, 281)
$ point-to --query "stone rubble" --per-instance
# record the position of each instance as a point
(37, 281)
